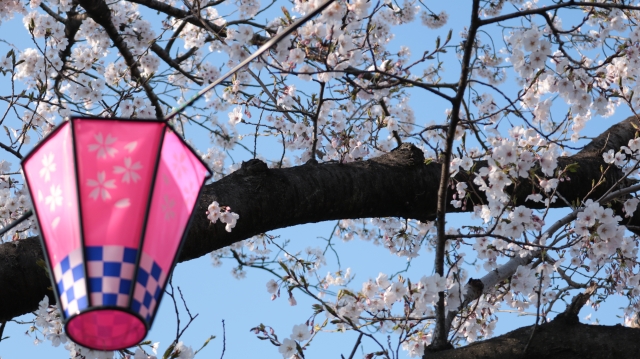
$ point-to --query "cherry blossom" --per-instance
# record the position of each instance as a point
(287, 348)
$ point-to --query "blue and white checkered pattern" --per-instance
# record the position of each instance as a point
(149, 284)
(70, 280)
(110, 270)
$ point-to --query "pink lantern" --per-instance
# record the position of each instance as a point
(113, 199)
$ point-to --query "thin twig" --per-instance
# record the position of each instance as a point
(224, 339)
(353, 352)
(274, 40)
(533, 331)
(5, 324)
(273, 98)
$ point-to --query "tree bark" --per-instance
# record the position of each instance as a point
(555, 340)
(397, 184)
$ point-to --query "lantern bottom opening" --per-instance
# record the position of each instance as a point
(106, 328)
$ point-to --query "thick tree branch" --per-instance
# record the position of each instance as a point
(555, 340)
(397, 184)
(182, 15)
(550, 8)
(71, 26)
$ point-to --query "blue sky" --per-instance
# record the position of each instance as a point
(215, 295)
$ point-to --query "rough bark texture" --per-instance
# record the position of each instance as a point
(397, 184)
(557, 340)
(22, 280)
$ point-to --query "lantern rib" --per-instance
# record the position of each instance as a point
(146, 220)
(80, 222)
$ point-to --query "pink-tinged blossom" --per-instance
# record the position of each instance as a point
(609, 156)
(272, 286)
(235, 117)
(521, 215)
(230, 219)
(288, 348)
(383, 281)
(182, 351)
(549, 185)
(630, 206)
(213, 212)
(434, 21)
(300, 333)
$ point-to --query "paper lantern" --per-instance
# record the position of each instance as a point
(113, 199)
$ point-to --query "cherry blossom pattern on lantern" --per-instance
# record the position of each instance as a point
(128, 170)
(48, 166)
(123, 203)
(103, 145)
(167, 207)
(101, 185)
(131, 146)
(55, 198)
(178, 164)
(190, 191)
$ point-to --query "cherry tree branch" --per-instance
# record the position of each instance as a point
(545, 9)
(397, 184)
(474, 289)
(557, 339)
(441, 332)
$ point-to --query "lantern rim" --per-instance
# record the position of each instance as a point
(91, 309)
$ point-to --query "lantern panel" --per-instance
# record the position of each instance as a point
(178, 181)
(116, 162)
(106, 329)
(50, 174)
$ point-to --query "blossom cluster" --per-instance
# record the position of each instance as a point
(215, 213)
